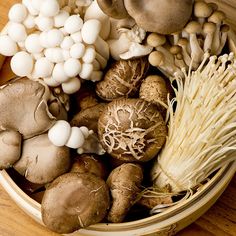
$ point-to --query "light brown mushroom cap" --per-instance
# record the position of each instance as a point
(193, 27)
(160, 16)
(132, 130)
(175, 49)
(125, 184)
(156, 58)
(75, 201)
(155, 40)
(209, 27)
(183, 42)
(41, 162)
(24, 108)
(10, 148)
(217, 17)
(224, 28)
(202, 10)
(113, 8)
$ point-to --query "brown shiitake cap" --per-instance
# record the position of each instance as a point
(202, 10)
(209, 27)
(155, 40)
(193, 27)
(75, 201)
(113, 8)
(160, 16)
(217, 17)
(156, 58)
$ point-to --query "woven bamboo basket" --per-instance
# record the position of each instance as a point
(168, 222)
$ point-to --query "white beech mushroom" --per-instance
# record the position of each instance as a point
(27, 103)
(132, 130)
(75, 201)
(122, 79)
(10, 146)
(125, 185)
(160, 16)
(41, 161)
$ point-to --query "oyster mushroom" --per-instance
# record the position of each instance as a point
(122, 79)
(10, 146)
(114, 8)
(132, 130)
(41, 162)
(160, 16)
(24, 107)
(75, 201)
(125, 185)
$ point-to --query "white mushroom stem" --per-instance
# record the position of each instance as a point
(192, 29)
(176, 51)
(135, 34)
(209, 30)
(102, 61)
(183, 43)
(232, 41)
(102, 47)
(136, 50)
(224, 34)
(119, 46)
(217, 17)
(175, 38)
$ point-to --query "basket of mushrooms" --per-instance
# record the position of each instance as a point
(124, 113)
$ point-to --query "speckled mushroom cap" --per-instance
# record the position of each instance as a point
(160, 16)
(132, 130)
(75, 201)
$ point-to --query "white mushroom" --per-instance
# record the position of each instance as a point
(55, 38)
(8, 47)
(43, 67)
(67, 43)
(71, 86)
(136, 50)
(17, 32)
(77, 50)
(91, 30)
(102, 47)
(102, 61)
(89, 55)
(86, 71)
(72, 67)
(32, 43)
(60, 18)
(224, 34)
(17, 13)
(59, 73)
(54, 55)
(44, 23)
(73, 24)
(49, 8)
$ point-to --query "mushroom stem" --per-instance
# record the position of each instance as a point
(175, 38)
(217, 17)
(209, 30)
(224, 34)
(192, 29)
(177, 52)
(232, 41)
(102, 47)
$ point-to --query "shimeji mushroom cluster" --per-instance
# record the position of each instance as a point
(50, 41)
(205, 32)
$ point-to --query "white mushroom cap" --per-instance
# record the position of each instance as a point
(76, 138)
(55, 38)
(17, 32)
(73, 24)
(17, 13)
(44, 23)
(72, 67)
(86, 70)
(59, 134)
(67, 43)
(71, 86)
(90, 31)
(77, 50)
(59, 73)
(89, 55)
(22, 64)
(49, 8)
(43, 67)
(60, 18)
(8, 47)
(32, 43)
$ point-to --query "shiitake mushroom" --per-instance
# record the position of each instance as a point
(132, 130)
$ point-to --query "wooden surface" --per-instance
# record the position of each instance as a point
(220, 220)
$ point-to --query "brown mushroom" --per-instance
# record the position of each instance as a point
(75, 201)
(24, 108)
(132, 130)
(113, 8)
(122, 79)
(89, 117)
(10, 146)
(41, 161)
(125, 185)
(90, 163)
(160, 16)
(154, 90)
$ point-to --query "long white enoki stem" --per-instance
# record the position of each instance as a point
(202, 129)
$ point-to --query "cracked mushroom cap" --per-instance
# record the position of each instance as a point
(132, 130)
(24, 108)
(160, 16)
(10, 146)
(113, 8)
(75, 201)
(41, 161)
